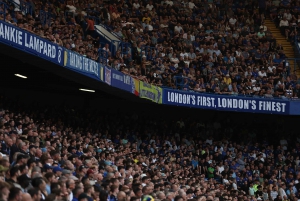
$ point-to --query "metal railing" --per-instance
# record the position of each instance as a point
(109, 30)
(149, 52)
(180, 83)
(45, 17)
(102, 56)
(24, 6)
(123, 47)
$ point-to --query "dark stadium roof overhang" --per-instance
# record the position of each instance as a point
(44, 75)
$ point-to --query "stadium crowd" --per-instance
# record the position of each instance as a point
(220, 46)
(211, 46)
(57, 154)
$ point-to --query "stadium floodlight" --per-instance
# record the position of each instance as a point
(21, 76)
(87, 90)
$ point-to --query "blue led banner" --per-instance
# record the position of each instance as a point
(225, 103)
(30, 43)
(82, 64)
(122, 81)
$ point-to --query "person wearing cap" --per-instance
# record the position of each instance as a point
(48, 168)
(3, 170)
(66, 173)
(57, 171)
(227, 79)
(68, 165)
(82, 171)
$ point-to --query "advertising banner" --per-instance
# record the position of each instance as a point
(31, 43)
(136, 87)
(151, 92)
(101, 72)
(121, 81)
(108, 76)
(82, 64)
(226, 103)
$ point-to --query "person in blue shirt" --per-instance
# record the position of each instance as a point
(224, 70)
(186, 83)
(277, 60)
(76, 193)
(172, 68)
(195, 162)
(186, 69)
(114, 190)
(255, 72)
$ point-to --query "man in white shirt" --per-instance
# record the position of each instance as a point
(191, 4)
(169, 2)
(178, 28)
(288, 15)
(217, 51)
(283, 143)
(281, 190)
(71, 7)
(284, 24)
(256, 87)
(232, 21)
(209, 140)
(136, 4)
(174, 59)
(106, 48)
(271, 67)
(262, 73)
(273, 193)
(263, 27)
(149, 6)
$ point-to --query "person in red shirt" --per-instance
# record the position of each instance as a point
(90, 26)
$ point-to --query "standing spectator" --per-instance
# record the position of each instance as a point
(90, 29)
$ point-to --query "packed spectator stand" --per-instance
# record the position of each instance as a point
(220, 47)
(58, 154)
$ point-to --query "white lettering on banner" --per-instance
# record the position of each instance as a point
(75, 60)
(117, 77)
(127, 79)
(272, 106)
(181, 98)
(86, 64)
(39, 46)
(83, 63)
(236, 103)
(11, 34)
(226, 103)
(206, 101)
(59, 54)
(94, 67)
(32, 42)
